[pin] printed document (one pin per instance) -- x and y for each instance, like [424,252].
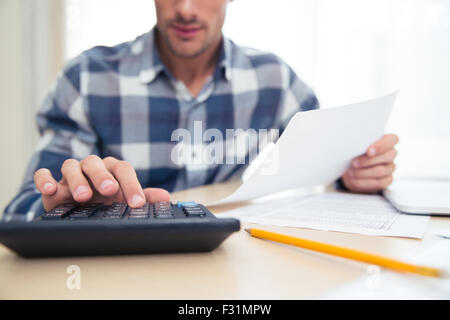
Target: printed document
[334,211]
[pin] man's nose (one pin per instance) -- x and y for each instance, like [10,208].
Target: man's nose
[186,9]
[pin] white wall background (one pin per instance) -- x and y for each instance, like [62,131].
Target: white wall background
[31,34]
[12,111]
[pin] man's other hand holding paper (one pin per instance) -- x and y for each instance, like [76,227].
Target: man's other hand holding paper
[373,171]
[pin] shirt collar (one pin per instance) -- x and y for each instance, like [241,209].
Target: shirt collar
[152,66]
[224,62]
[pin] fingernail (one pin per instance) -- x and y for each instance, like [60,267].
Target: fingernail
[81,190]
[136,200]
[105,184]
[48,187]
[372,152]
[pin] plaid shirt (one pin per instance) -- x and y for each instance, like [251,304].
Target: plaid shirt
[123,102]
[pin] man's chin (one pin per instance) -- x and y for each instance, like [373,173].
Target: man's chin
[187,52]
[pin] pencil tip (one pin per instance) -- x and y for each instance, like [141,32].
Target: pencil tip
[247,230]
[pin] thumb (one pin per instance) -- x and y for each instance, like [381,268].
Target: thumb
[153,195]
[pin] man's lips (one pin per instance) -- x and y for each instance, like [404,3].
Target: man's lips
[186,32]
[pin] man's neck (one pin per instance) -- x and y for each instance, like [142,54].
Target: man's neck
[193,72]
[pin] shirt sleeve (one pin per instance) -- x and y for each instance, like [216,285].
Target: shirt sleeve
[65,132]
[297,97]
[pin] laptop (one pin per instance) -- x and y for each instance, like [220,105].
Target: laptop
[420,195]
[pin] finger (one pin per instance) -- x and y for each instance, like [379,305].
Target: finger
[153,195]
[62,195]
[368,185]
[377,172]
[109,163]
[45,182]
[129,183]
[104,182]
[387,142]
[364,161]
[76,181]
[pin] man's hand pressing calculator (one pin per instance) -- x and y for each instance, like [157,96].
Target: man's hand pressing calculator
[95,180]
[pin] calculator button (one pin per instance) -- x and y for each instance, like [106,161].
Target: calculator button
[142,210]
[139,213]
[164,216]
[182,204]
[159,206]
[137,216]
[163,210]
[194,212]
[115,211]
[84,212]
[59,212]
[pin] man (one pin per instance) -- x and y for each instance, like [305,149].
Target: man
[107,125]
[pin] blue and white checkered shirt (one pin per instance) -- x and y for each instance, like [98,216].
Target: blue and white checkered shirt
[123,102]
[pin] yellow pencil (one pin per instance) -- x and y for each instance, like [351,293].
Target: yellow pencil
[347,253]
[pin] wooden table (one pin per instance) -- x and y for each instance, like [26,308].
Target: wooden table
[241,268]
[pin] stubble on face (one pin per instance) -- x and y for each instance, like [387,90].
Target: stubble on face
[208,29]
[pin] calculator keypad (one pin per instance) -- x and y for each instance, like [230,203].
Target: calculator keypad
[118,211]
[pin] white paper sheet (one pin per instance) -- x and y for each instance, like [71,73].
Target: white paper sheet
[333,211]
[317,147]
[382,284]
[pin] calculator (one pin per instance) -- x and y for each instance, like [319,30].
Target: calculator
[97,229]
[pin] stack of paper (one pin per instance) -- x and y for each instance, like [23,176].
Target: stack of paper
[332,211]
